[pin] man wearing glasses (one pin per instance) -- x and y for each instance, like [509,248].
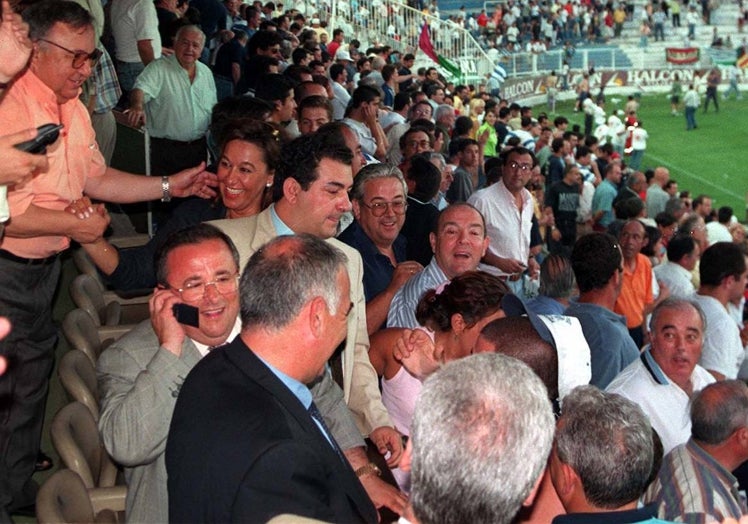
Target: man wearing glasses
[64,53]
[508,209]
[140,375]
[379,198]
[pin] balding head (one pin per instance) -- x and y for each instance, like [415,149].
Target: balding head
[661,176]
[718,411]
[516,337]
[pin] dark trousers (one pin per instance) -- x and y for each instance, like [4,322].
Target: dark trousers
[171,156]
[711,94]
[26,293]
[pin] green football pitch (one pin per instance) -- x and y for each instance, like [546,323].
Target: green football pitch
[712,159]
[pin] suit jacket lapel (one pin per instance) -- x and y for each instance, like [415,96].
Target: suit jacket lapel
[241,356]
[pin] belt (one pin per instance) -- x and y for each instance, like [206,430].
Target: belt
[511,278]
[7,255]
[197,141]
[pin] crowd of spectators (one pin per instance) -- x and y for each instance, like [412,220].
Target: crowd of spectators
[370,227]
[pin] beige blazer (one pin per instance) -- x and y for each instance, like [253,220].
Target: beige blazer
[361,388]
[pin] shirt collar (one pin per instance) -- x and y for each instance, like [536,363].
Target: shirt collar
[299,390]
[630,516]
[204,349]
[652,367]
[280,227]
[727,477]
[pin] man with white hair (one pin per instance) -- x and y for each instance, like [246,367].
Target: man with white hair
[665,376]
[479,442]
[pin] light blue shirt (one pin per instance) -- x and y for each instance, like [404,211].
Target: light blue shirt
[280,227]
[300,391]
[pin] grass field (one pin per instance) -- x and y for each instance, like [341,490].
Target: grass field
[712,159]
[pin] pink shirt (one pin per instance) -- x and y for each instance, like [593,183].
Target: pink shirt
[72,159]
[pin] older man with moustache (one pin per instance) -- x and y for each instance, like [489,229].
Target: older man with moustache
[459,243]
[311,194]
[665,376]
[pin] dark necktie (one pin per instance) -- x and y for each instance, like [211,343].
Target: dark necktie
[317,416]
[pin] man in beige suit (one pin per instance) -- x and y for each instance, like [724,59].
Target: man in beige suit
[311,194]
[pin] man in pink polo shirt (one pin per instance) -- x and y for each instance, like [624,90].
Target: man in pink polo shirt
[40,228]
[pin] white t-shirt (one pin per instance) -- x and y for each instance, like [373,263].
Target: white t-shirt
[134,20]
[723,350]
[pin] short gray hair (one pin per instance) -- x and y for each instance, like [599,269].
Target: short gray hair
[607,441]
[285,274]
[372,172]
[442,110]
[677,304]
[718,410]
[481,434]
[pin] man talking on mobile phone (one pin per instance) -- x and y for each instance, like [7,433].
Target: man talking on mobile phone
[140,375]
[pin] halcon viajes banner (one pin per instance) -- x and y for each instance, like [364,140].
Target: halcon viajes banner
[518,89]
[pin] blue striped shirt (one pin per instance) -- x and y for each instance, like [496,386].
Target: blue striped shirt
[693,487]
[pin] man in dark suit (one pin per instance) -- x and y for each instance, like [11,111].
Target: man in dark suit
[140,375]
[245,442]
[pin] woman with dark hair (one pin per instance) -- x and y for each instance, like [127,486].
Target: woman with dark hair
[250,150]
[452,317]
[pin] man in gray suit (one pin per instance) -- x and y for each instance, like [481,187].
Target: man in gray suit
[310,191]
[141,374]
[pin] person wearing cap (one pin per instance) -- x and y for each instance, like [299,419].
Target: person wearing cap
[555,349]
[343,55]
[598,267]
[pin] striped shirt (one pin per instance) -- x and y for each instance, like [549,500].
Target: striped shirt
[693,487]
[403,308]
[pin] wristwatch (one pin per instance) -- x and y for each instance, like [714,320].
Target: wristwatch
[165,192]
[369,468]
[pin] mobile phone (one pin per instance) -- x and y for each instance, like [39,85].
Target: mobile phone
[45,135]
[187,315]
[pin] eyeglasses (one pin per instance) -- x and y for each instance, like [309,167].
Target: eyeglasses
[79,57]
[521,167]
[225,284]
[378,209]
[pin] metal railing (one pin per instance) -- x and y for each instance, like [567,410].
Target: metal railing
[398,25]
